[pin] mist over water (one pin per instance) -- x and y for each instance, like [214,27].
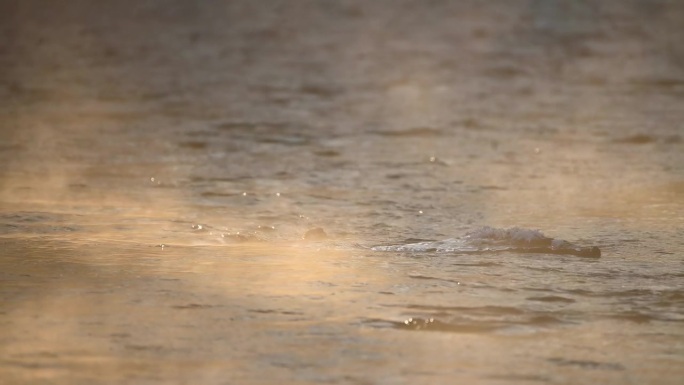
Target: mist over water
[164,167]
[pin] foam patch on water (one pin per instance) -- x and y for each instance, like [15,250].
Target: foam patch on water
[454,244]
[484,238]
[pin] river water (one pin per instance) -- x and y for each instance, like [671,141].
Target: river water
[162,162]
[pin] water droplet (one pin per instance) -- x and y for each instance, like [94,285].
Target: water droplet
[420,212]
[244,194]
[277,194]
[152,179]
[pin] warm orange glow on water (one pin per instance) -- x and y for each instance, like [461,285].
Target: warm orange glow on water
[162,165]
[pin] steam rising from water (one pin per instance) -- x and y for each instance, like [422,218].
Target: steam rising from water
[525,117]
[160,164]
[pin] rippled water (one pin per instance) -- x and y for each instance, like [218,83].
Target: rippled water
[164,168]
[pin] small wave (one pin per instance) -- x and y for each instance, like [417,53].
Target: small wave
[515,236]
[489,239]
[469,324]
[551,298]
[191,306]
[636,139]
[425,277]
[435,325]
[477,310]
[431,324]
[586,364]
[411,132]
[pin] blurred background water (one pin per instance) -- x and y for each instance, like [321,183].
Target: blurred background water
[160,163]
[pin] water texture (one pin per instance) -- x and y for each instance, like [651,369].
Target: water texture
[492,240]
[247,192]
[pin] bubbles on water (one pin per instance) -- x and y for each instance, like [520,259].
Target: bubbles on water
[266,228]
[418,323]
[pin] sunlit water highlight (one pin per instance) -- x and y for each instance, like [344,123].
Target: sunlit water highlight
[164,170]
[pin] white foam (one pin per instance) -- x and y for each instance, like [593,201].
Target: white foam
[484,238]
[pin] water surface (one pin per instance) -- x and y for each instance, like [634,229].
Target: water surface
[160,165]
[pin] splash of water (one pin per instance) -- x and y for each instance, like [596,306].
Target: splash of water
[490,239]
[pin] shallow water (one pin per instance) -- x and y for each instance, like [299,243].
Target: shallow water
[160,165]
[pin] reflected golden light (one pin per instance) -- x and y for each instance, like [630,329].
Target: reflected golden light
[161,165]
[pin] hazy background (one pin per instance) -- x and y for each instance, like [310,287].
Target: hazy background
[160,162]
